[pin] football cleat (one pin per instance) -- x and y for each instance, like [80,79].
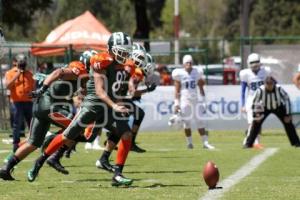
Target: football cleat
[206,145]
[190,146]
[105,165]
[33,172]
[5,175]
[258,146]
[119,180]
[88,146]
[137,149]
[57,166]
[97,147]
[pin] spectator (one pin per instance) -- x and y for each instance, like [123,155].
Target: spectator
[20,82]
[165,77]
[12,108]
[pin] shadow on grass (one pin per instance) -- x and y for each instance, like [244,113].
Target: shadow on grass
[163,172]
[160,185]
[92,180]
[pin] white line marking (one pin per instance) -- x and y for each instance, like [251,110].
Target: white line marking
[4,151]
[241,173]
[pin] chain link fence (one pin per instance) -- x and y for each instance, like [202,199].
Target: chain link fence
[214,55]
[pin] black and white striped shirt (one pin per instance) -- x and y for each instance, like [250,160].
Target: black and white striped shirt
[271,100]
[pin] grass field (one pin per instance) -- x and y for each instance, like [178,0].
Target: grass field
[166,171]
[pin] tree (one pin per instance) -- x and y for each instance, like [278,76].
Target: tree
[282,18]
[21,13]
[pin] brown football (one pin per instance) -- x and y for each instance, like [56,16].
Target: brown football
[211,174]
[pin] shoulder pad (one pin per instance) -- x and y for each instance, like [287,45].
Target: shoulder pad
[138,74]
[101,61]
[176,74]
[78,68]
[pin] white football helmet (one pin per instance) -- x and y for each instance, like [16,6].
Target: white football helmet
[137,46]
[175,121]
[150,66]
[139,58]
[253,62]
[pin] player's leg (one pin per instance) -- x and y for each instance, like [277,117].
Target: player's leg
[92,136]
[103,161]
[186,114]
[249,111]
[288,126]
[38,130]
[138,115]
[199,111]
[65,140]
[122,153]
[254,129]
[113,139]
[62,118]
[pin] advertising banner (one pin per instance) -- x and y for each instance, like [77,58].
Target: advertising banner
[223,108]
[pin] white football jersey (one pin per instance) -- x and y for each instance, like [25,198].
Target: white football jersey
[189,82]
[254,81]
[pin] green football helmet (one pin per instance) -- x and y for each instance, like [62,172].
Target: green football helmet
[120,45]
[86,56]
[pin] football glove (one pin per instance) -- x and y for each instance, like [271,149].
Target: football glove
[39,92]
[151,87]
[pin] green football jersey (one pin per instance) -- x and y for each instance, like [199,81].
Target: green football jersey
[116,77]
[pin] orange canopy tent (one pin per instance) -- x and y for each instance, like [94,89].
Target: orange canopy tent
[82,32]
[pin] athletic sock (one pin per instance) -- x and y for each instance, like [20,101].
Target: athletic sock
[59,153]
[105,155]
[204,139]
[118,169]
[54,145]
[189,140]
[133,138]
[123,150]
[13,161]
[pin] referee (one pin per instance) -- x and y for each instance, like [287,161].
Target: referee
[271,98]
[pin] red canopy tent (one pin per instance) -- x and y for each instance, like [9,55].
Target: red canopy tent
[82,32]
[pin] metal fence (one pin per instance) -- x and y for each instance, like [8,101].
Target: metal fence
[280,53]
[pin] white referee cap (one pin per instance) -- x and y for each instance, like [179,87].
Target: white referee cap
[187,58]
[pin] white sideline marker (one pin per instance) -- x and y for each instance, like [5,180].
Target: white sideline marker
[241,173]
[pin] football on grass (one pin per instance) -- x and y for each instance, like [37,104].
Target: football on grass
[211,174]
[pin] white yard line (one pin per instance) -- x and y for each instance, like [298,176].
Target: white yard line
[241,173]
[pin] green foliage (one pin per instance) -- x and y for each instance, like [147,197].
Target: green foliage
[16,13]
[282,18]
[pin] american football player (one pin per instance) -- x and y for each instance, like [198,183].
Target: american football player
[187,81]
[100,105]
[52,106]
[251,79]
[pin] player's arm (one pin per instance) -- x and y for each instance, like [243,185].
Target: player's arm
[140,92]
[243,93]
[62,73]
[177,95]
[201,84]
[137,78]
[100,79]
